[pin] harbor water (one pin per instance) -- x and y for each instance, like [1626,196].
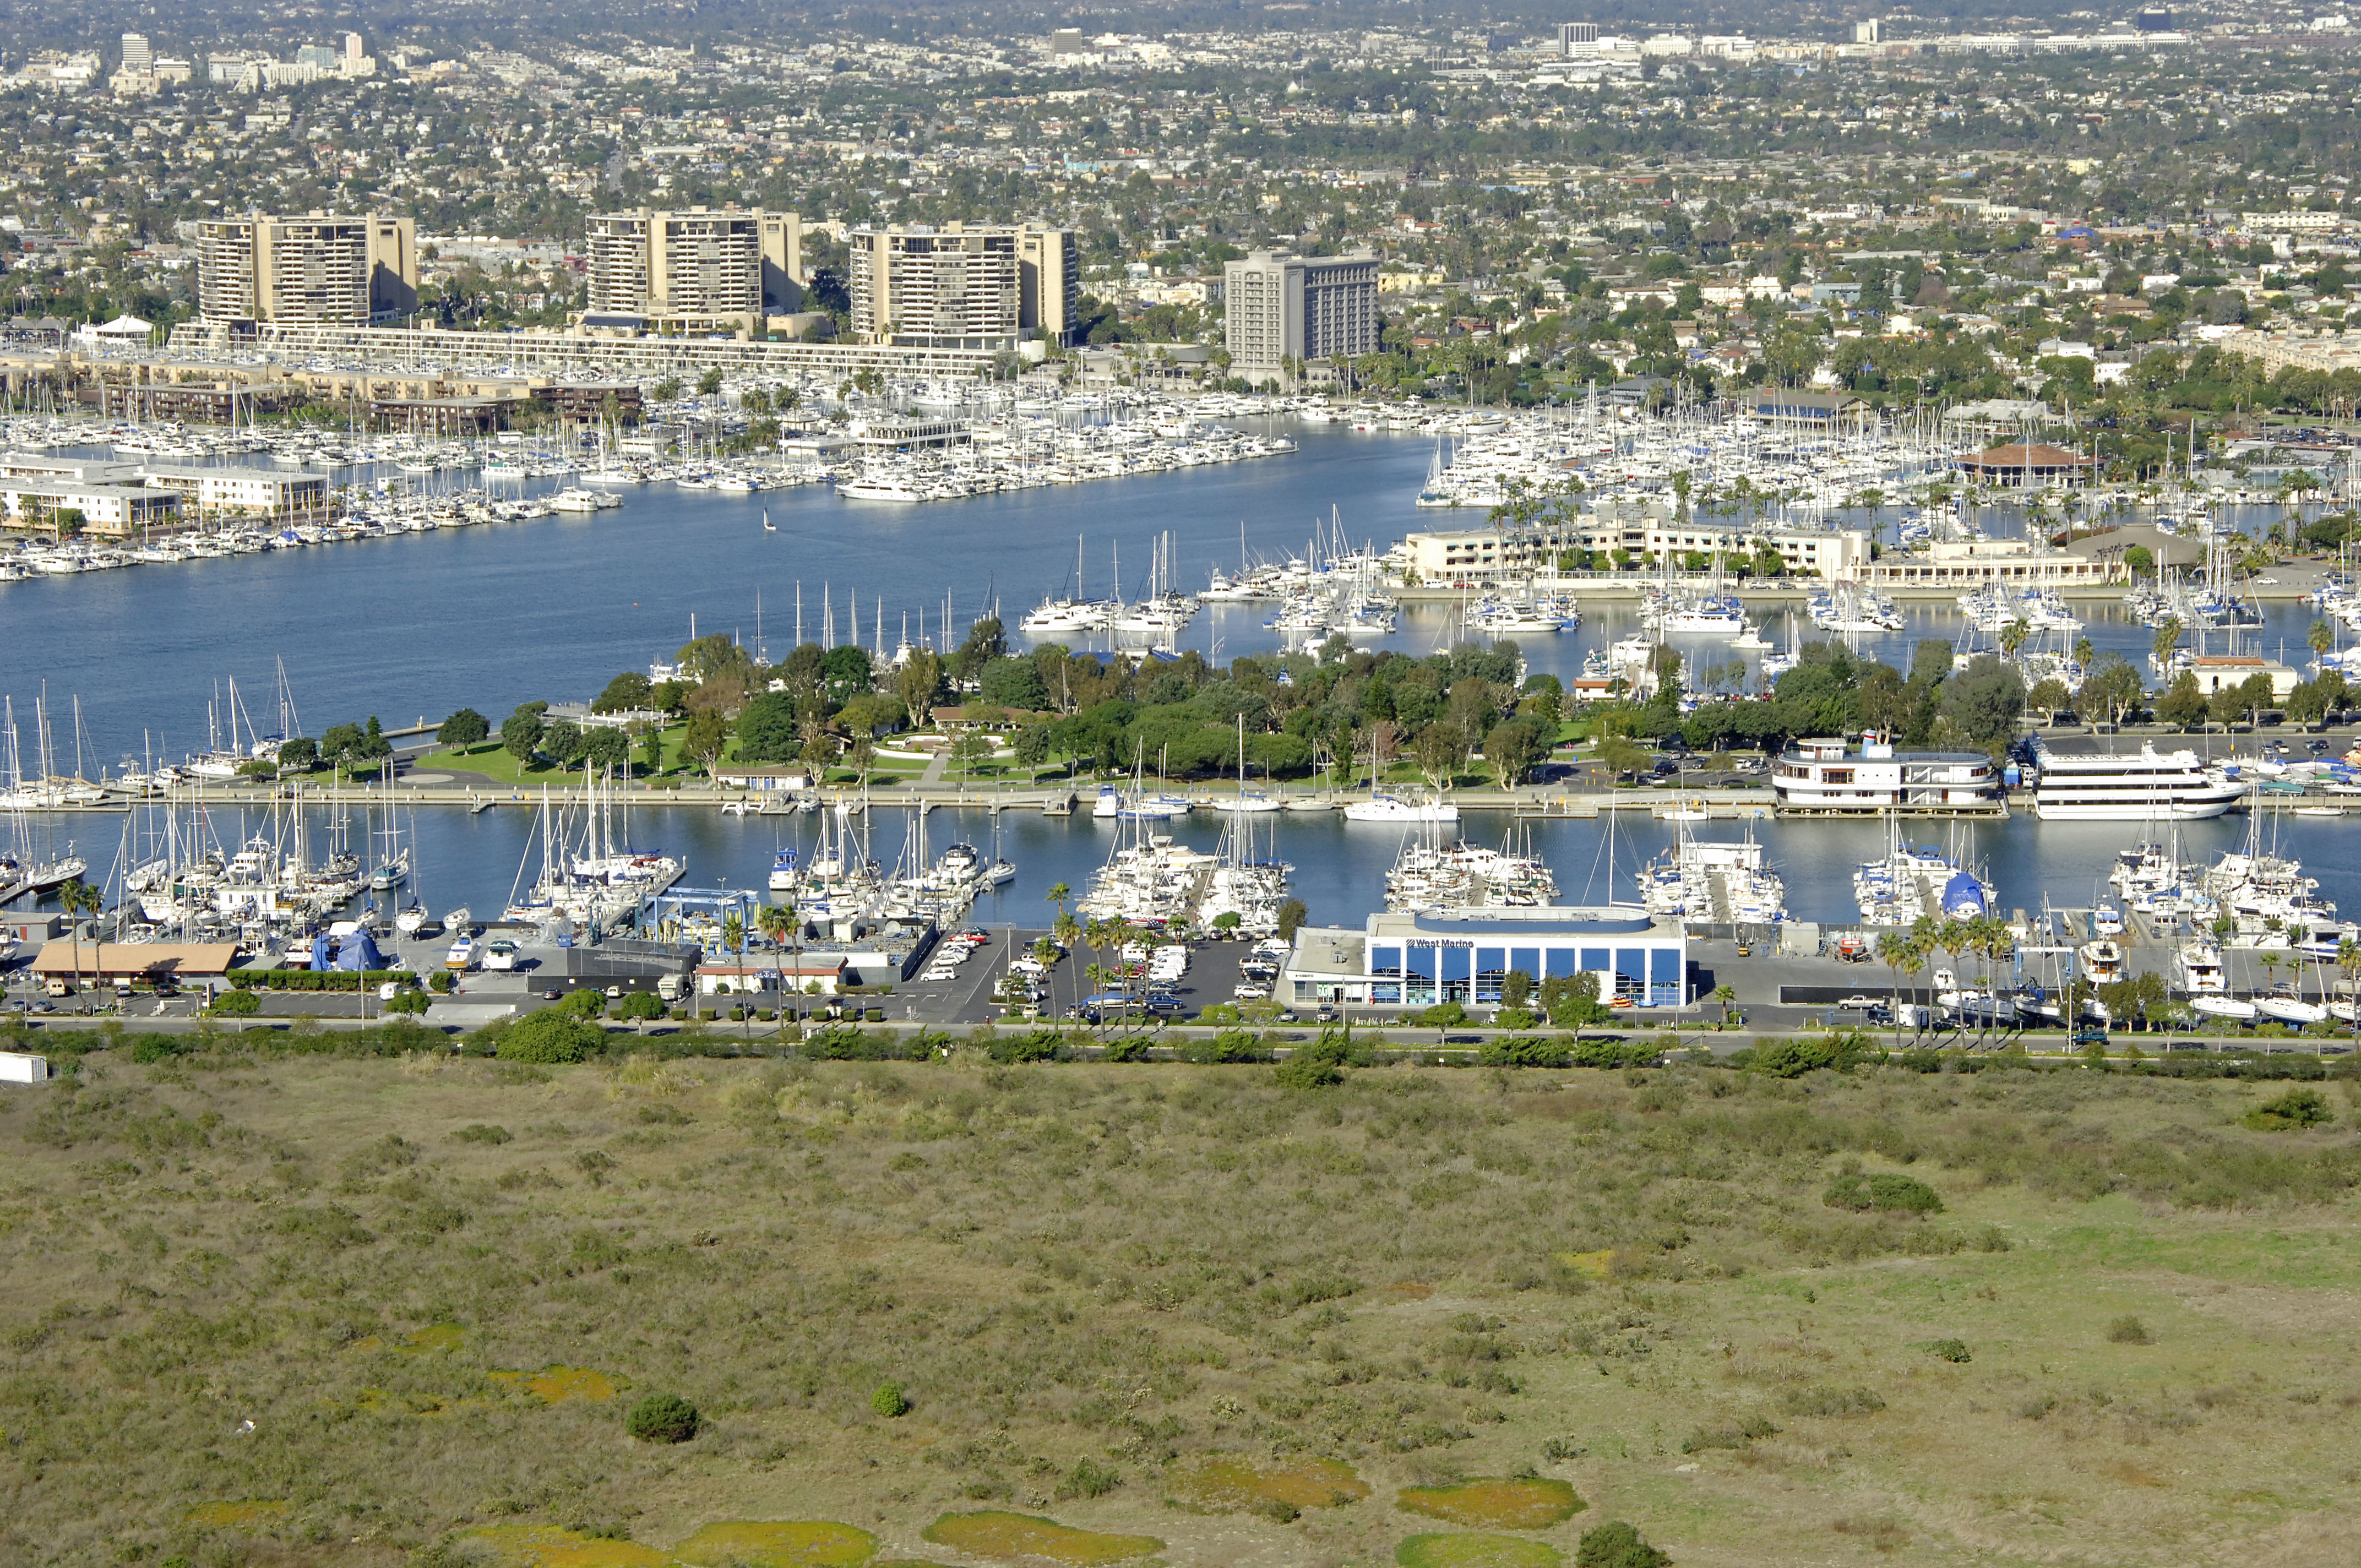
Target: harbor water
[487,616]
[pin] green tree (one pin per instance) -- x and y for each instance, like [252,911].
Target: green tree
[2182,706]
[521,734]
[300,755]
[707,737]
[1515,746]
[464,728]
[626,692]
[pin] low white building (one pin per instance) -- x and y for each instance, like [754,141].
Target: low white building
[1649,531]
[2013,562]
[250,492]
[117,510]
[2215,671]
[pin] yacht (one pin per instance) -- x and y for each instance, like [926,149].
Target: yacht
[1392,808]
[784,876]
[2197,969]
[2116,788]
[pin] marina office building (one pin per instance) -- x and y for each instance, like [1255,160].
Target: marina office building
[1419,959]
[122,498]
[695,270]
[315,270]
[962,285]
[1278,309]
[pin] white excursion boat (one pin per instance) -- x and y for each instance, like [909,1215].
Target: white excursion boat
[2289,1008]
[2109,787]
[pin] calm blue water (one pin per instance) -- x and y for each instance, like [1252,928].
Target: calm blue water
[491,615]
[1339,866]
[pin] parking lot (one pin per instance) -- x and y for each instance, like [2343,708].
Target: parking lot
[964,991]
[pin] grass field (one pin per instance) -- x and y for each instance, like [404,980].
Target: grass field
[312,1310]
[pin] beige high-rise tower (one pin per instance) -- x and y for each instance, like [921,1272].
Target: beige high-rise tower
[961,286]
[316,268]
[700,268]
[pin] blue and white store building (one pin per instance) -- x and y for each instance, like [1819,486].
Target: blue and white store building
[1464,954]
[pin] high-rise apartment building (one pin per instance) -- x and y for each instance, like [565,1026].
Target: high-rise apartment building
[1048,282]
[961,286]
[137,53]
[314,269]
[1282,308]
[698,267]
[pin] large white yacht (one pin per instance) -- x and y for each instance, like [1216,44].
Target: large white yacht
[2106,787]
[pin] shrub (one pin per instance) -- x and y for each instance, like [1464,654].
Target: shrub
[550,1036]
[1737,1436]
[1041,1044]
[1229,1045]
[409,1002]
[479,1133]
[1830,1402]
[1891,1194]
[891,1402]
[661,1418]
[1527,1050]
[1795,1058]
[1304,1070]
[2128,1330]
[1130,1050]
[235,1004]
[1088,1479]
[1950,1350]
[1616,1544]
[149,1048]
[2292,1111]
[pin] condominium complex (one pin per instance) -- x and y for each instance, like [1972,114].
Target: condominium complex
[961,286]
[315,268]
[1293,308]
[695,268]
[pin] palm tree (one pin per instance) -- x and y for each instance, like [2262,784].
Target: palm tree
[1892,946]
[78,898]
[2348,959]
[1994,941]
[1725,995]
[1058,895]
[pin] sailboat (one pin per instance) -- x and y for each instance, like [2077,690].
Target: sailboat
[768,526]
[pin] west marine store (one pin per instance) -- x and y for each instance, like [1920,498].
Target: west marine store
[1465,955]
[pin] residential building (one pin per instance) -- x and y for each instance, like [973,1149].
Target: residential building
[137,53]
[1411,960]
[700,268]
[1283,309]
[318,268]
[963,286]
[1048,282]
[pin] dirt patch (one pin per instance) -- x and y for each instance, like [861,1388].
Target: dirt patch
[1476,1552]
[554,1383]
[1498,1502]
[992,1533]
[545,1546]
[777,1543]
[1229,1481]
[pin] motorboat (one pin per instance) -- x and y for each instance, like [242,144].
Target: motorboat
[2102,962]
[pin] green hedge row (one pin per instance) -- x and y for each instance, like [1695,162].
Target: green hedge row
[313,980]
